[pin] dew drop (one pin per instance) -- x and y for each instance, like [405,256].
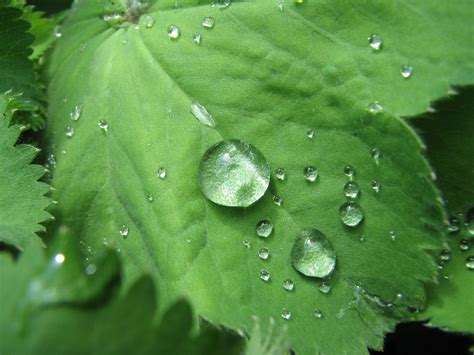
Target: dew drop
[349,171]
[313,254]
[393,235]
[288,285]
[351,214]
[265,275]
[286,314]
[104,125]
[376,154]
[453,225]
[376,186]
[69,131]
[173,32]
[310,173]
[406,71]
[201,114]
[148,21]
[234,173]
[310,133]
[59,259]
[445,255]
[246,243]
[264,253]
[470,263]
[91,269]
[57,31]
[280,174]
[469,225]
[150,198]
[277,200]
[375,107]
[351,189]
[318,314]
[76,112]
[161,173]
[464,244]
[197,38]
[124,231]
[264,228]
[324,287]
[375,41]
[280,4]
[208,22]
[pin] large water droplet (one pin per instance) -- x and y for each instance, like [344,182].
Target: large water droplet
[148,21]
[286,314]
[76,112]
[375,107]
[280,174]
[264,253]
[313,254]
[310,173]
[265,275]
[375,41]
[234,173]
[288,285]
[351,214]
[470,263]
[69,131]
[173,32]
[264,228]
[200,112]
[406,71]
[208,22]
[351,189]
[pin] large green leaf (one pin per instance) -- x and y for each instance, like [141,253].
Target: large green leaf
[266,76]
[39,315]
[449,136]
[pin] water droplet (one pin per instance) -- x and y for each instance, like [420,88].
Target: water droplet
[280,5]
[91,269]
[104,125]
[76,112]
[324,287]
[470,263]
[286,314]
[264,228]
[280,174]
[150,198]
[264,253]
[351,214]
[200,112]
[277,200]
[114,20]
[222,5]
[376,154]
[161,173]
[318,314]
[173,32]
[310,173]
[445,255]
[362,238]
[406,71]
[149,21]
[375,107]
[351,189]
[246,243]
[376,186]
[57,31]
[453,225]
[313,254]
[375,41]
[197,38]
[464,244]
[59,258]
[51,161]
[310,133]
[234,173]
[288,285]
[208,22]
[265,275]
[349,171]
[124,231]
[299,2]
[393,235]
[69,131]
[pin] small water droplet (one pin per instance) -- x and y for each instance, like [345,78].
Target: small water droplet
[246,243]
[69,131]
[277,200]
[264,253]
[173,32]
[280,174]
[202,115]
[313,254]
[161,173]
[375,107]
[310,173]
[57,31]
[286,314]
[324,287]
[150,198]
[310,133]
[124,231]
[318,314]
[375,41]
[288,285]
[148,21]
[197,38]
[362,238]
[265,275]
[393,235]
[208,22]
[376,154]
[445,255]
[376,186]
[91,269]
[264,228]
[349,171]
[51,161]
[351,189]
[469,225]
[59,259]
[280,4]
[234,173]
[406,71]
[104,125]
[464,244]
[76,112]
[454,225]
[351,214]
[470,263]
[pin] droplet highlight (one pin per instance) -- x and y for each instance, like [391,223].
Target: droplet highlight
[375,41]
[406,71]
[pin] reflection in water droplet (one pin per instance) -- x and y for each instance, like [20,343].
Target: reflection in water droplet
[280,174]
[197,38]
[264,228]
[286,314]
[349,171]
[470,263]
[375,41]
[76,112]
[104,125]
[375,107]
[351,189]
[376,186]
[406,71]
[208,22]
[310,133]
[161,173]
[277,200]
[318,314]
[313,254]
[234,173]
[173,32]
[69,131]
[351,214]
[124,231]
[202,115]
[464,244]
[324,287]
[288,285]
[264,253]
[148,21]
[265,275]
[310,173]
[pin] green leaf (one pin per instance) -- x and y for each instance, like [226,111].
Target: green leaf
[22,200]
[115,324]
[266,76]
[448,134]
